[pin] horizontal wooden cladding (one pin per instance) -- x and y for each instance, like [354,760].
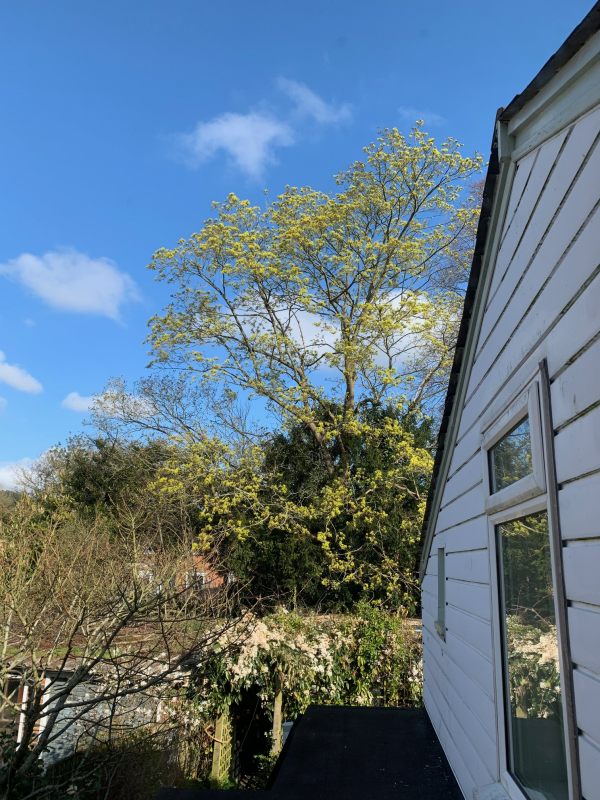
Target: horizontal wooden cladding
[471,535]
[558,327]
[468,475]
[566,197]
[581,562]
[472,597]
[467,506]
[478,701]
[457,720]
[570,246]
[467,723]
[429,588]
[431,698]
[589,759]
[587,704]
[468,443]
[468,535]
[520,182]
[579,504]
[473,630]
[472,565]
[584,636]
[544,164]
[578,447]
[467,658]
[578,386]
[548,285]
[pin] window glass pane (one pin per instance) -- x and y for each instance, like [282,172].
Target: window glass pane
[510,458]
[535,720]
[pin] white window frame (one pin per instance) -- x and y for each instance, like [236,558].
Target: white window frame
[527,404]
[531,506]
[528,495]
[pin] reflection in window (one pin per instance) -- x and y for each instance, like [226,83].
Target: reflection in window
[535,728]
[510,458]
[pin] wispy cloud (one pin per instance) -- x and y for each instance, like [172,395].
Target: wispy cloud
[249,140]
[18,378]
[77,402]
[11,472]
[3,403]
[411,114]
[72,281]
[309,104]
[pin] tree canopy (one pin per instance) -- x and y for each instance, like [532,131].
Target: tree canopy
[336,315]
[319,297]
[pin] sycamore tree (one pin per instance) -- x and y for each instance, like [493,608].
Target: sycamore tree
[322,306]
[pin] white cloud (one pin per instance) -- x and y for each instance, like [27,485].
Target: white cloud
[11,472]
[17,377]
[3,403]
[411,114]
[309,104]
[76,402]
[250,140]
[72,281]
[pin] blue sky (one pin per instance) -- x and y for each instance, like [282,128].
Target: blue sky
[122,121]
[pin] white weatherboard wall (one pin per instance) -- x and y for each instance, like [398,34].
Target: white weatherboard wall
[543,301]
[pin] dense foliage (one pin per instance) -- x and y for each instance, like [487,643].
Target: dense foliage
[286,448]
[337,314]
[369,658]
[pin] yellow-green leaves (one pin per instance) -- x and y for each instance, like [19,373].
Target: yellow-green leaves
[321,304]
[343,291]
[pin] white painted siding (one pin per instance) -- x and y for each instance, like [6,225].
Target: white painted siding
[543,302]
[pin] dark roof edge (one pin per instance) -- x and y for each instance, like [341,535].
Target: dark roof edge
[580,35]
[589,25]
[480,244]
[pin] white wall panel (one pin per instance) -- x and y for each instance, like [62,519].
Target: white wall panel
[587,703]
[579,504]
[578,447]
[472,629]
[589,756]
[578,387]
[581,562]
[545,161]
[471,535]
[468,475]
[471,565]
[561,237]
[521,179]
[472,597]
[584,631]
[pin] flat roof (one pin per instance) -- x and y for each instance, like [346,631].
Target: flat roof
[352,753]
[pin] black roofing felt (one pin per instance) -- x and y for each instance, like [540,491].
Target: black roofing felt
[345,753]
[586,28]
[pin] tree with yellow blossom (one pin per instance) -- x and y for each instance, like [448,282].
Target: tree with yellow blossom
[322,306]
